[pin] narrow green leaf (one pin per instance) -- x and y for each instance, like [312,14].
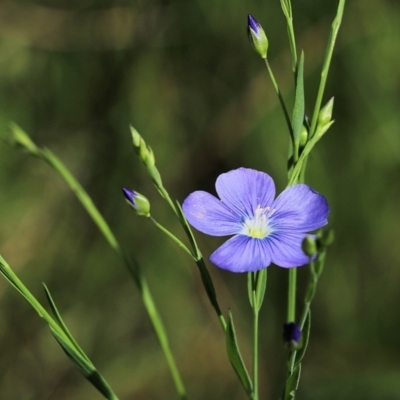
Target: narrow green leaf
[62,324]
[208,285]
[299,105]
[85,367]
[292,383]
[306,337]
[3,271]
[235,357]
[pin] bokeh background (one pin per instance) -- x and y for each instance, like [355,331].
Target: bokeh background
[75,74]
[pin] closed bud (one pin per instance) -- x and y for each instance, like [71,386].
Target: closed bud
[19,138]
[303,136]
[326,238]
[257,36]
[136,138]
[292,335]
[140,147]
[309,246]
[324,119]
[325,115]
[138,202]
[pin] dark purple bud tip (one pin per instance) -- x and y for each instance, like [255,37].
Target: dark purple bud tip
[129,195]
[252,24]
[137,201]
[291,333]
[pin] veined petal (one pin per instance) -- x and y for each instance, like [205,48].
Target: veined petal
[299,208]
[242,254]
[210,215]
[244,189]
[285,249]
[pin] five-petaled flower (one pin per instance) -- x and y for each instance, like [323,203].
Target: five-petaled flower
[265,230]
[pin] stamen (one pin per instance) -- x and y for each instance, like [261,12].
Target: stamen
[258,227]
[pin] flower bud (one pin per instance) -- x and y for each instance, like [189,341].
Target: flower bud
[140,147]
[303,136]
[17,137]
[324,118]
[326,237]
[309,246]
[138,202]
[325,114]
[292,335]
[257,36]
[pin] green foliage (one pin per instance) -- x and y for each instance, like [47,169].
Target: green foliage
[184,75]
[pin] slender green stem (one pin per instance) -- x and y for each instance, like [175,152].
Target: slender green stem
[82,196]
[196,254]
[160,332]
[281,101]
[204,272]
[173,237]
[327,62]
[167,197]
[291,315]
[292,39]
[210,290]
[255,346]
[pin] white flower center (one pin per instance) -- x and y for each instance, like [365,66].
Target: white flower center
[257,226]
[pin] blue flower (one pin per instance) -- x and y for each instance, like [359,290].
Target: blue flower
[265,230]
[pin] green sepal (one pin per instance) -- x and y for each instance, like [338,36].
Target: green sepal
[309,246]
[256,286]
[326,237]
[235,357]
[292,383]
[299,105]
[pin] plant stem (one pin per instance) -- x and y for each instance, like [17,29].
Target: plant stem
[327,62]
[160,332]
[291,315]
[174,238]
[255,349]
[281,101]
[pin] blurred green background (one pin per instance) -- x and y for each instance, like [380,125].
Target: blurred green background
[75,74]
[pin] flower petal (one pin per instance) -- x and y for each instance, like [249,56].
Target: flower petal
[210,215]
[244,189]
[299,208]
[242,254]
[285,249]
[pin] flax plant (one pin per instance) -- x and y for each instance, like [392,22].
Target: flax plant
[284,230]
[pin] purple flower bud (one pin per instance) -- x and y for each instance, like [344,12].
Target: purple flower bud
[253,24]
[257,36]
[291,333]
[137,201]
